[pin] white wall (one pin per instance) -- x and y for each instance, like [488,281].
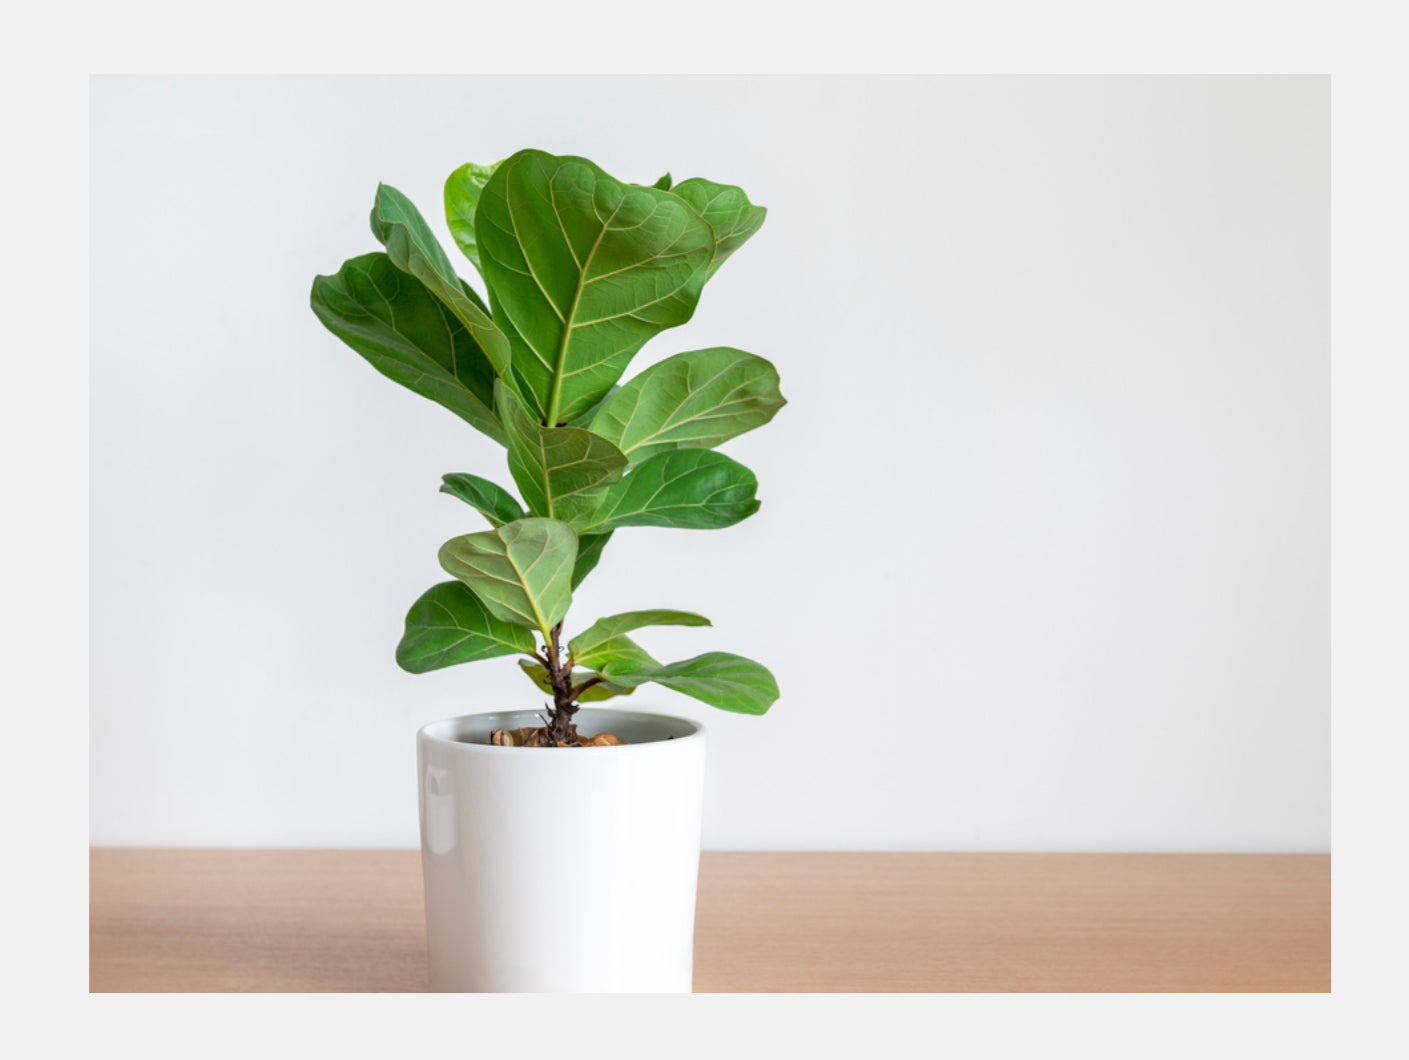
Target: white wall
[1043,558]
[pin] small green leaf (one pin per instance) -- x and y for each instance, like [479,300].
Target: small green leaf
[728,211]
[589,554]
[492,501]
[729,682]
[522,571]
[663,184]
[538,674]
[412,247]
[619,651]
[695,489]
[604,629]
[693,400]
[462,191]
[407,334]
[561,471]
[449,625]
[585,419]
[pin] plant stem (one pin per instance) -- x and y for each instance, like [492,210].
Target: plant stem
[586,685]
[560,678]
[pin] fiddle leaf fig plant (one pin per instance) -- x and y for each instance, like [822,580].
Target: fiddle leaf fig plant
[579,271]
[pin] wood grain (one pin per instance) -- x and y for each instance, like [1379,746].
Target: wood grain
[324,920]
[1014,922]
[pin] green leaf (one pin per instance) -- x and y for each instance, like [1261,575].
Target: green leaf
[449,625]
[407,334]
[491,500]
[462,192]
[693,400]
[560,471]
[589,554]
[728,212]
[729,682]
[584,419]
[619,651]
[399,227]
[694,489]
[604,629]
[522,571]
[663,184]
[538,674]
[582,270]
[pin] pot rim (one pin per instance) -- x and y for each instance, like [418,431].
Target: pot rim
[436,731]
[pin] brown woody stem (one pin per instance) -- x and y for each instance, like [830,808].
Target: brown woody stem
[585,686]
[560,727]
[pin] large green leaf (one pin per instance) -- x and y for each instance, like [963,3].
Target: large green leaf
[729,682]
[727,210]
[462,192]
[693,400]
[582,270]
[407,334]
[560,471]
[399,227]
[491,500]
[589,554]
[604,629]
[694,489]
[450,625]
[538,674]
[521,571]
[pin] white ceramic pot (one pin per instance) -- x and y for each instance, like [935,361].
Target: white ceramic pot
[561,869]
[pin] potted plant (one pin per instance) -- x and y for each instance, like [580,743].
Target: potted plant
[560,849]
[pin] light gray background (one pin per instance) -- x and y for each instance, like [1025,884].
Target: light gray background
[1043,557]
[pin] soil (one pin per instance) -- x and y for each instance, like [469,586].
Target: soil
[543,737]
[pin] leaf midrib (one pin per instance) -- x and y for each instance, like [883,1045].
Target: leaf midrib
[522,575]
[556,393]
[723,410]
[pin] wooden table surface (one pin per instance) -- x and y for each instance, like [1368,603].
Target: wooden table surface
[326,920]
